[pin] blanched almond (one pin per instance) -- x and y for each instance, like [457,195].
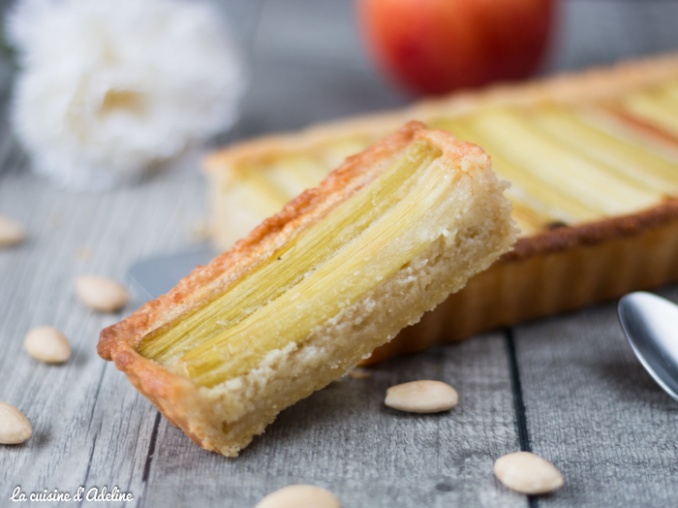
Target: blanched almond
[47,344]
[422,397]
[300,496]
[11,232]
[14,426]
[527,473]
[101,293]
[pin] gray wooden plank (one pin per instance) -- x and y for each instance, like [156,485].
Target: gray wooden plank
[321,31]
[290,95]
[90,428]
[309,68]
[343,438]
[242,17]
[594,411]
[595,32]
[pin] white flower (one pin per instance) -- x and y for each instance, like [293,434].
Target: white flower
[111,87]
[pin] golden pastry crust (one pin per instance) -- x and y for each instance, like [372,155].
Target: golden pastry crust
[562,237]
[226,417]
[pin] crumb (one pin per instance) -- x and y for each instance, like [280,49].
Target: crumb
[200,231]
[84,254]
[359,373]
[54,220]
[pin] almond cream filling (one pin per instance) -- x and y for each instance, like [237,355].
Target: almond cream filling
[358,266]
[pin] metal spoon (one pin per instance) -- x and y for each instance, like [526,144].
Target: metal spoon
[651,326]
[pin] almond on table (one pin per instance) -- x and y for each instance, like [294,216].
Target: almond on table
[528,473]
[102,294]
[11,232]
[14,426]
[47,344]
[314,289]
[424,396]
[300,496]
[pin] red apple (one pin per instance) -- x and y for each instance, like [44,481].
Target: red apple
[435,46]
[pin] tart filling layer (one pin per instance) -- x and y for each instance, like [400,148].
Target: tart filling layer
[308,280]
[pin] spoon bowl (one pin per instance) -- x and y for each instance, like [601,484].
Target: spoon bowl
[650,323]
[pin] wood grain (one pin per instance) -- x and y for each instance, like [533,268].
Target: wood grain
[89,426]
[589,407]
[594,412]
[345,439]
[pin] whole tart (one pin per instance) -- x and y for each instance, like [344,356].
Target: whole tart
[317,287]
[592,158]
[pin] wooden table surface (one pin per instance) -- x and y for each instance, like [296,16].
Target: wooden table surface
[567,387]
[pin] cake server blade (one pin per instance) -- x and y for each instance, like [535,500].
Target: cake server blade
[155,276]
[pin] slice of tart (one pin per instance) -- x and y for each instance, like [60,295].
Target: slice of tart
[314,289]
[593,163]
